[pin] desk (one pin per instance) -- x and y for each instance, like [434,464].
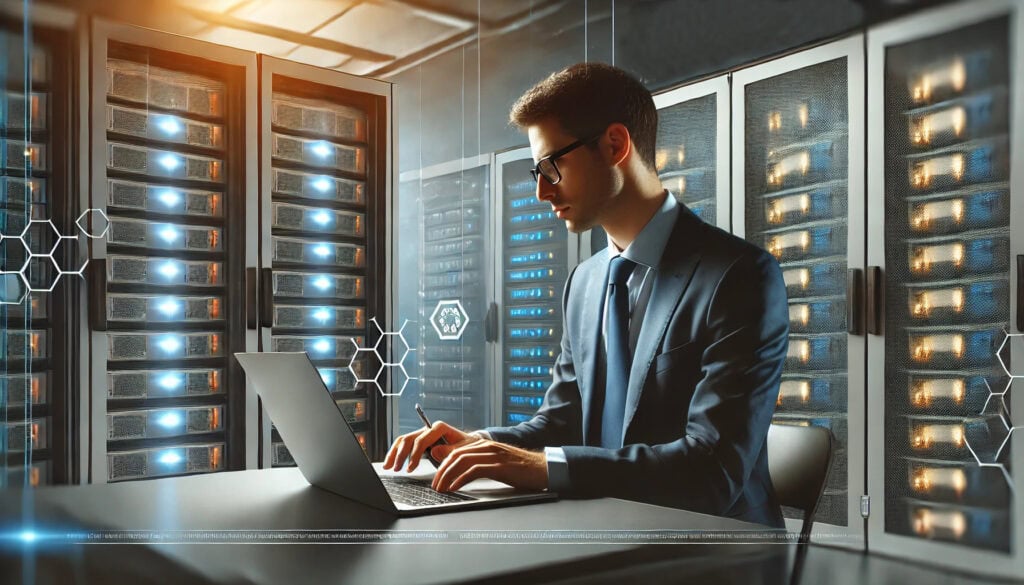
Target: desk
[280,499]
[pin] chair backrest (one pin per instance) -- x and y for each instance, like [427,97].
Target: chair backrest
[798,463]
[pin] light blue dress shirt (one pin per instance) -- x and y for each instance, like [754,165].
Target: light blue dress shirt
[646,251]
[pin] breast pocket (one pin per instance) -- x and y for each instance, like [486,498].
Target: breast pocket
[686,354]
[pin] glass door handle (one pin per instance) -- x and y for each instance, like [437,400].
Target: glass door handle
[98,294]
[855,301]
[875,300]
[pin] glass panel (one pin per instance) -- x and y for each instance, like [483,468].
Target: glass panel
[448,283]
[947,256]
[796,191]
[685,157]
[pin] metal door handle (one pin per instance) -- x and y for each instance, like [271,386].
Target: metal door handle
[1020,293]
[491,323]
[98,294]
[251,298]
[855,301]
[266,300]
[875,299]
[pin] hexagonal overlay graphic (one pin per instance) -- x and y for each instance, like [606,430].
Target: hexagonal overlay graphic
[1003,414]
[38,246]
[449,319]
[379,363]
[35,258]
[12,288]
[97,220]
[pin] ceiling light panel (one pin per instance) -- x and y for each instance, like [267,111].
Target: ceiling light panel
[386,29]
[295,15]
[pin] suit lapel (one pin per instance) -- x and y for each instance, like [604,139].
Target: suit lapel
[675,271]
[593,307]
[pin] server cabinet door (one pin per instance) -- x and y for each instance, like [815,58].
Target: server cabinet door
[945,227]
[39,246]
[452,288]
[692,154]
[324,167]
[533,255]
[798,170]
[171,179]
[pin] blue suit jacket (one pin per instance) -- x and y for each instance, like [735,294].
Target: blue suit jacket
[703,384]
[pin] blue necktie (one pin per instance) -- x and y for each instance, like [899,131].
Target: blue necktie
[619,358]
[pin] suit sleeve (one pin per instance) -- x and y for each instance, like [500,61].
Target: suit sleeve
[559,419]
[746,329]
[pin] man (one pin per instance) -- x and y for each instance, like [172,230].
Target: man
[674,336]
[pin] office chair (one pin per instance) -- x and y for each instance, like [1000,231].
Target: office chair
[799,459]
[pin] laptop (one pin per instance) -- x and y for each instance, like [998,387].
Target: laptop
[330,457]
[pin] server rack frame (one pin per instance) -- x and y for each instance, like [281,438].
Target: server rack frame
[497,296]
[720,88]
[378,250]
[101,33]
[852,49]
[934,22]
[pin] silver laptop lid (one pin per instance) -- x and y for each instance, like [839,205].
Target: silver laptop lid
[316,432]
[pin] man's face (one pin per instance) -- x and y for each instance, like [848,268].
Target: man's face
[582,194]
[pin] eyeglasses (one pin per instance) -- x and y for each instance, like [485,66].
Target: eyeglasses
[546,166]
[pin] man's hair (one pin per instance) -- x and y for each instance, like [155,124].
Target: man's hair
[585,98]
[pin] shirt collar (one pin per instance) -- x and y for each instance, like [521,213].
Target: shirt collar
[649,244]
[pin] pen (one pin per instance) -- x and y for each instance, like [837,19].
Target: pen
[441,441]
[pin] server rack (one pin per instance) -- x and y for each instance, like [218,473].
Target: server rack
[533,259]
[798,167]
[454,265]
[173,177]
[325,163]
[692,154]
[945,225]
[36,319]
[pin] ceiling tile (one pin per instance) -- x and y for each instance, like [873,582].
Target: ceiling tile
[318,57]
[218,6]
[358,66]
[296,15]
[241,39]
[385,29]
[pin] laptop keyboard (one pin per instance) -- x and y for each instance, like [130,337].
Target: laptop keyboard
[417,492]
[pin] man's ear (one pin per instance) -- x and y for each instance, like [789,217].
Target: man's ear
[616,143]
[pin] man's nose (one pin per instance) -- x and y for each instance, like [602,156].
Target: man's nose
[545,190]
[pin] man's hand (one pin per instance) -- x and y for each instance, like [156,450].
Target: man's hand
[462,463]
[414,444]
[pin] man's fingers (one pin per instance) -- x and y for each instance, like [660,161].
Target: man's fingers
[424,439]
[456,465]
[480,471]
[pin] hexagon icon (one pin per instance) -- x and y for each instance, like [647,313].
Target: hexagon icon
[97,220]
[399,379]
[41,274]
[37,243]
[372,363]
[449,319]
[392,343]
[12,253]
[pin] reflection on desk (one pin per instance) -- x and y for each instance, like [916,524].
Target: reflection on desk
[247,511]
